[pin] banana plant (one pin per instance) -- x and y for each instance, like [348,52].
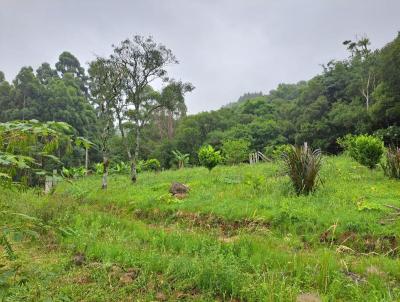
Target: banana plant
[120,168]
[182,159]
[86,144]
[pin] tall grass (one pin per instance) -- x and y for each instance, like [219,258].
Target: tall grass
[392,165]
[238,236]
[303,166]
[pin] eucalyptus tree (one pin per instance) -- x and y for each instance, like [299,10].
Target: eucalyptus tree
[173,96]
[365,65]
[141,61]
[26,93]
[105,88]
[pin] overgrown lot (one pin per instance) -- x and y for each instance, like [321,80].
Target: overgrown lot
[242,234]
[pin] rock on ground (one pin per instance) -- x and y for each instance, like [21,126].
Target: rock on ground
[179,189]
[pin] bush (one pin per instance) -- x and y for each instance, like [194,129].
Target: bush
[120,168]
[208,157]
[73,172]
[276,152]
[392,165]
[235,151]
[365,149]
[98,168]
[303,166]
[151,165]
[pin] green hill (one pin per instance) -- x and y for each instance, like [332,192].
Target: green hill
[241,234]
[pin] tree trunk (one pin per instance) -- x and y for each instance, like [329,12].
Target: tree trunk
[160,118]
[104,182]
[136,157]
[86,160]
[124,140]
[23,109]
[170,124]
[365,91]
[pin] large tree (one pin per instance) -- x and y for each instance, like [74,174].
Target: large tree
[104,86]
[141,61]
[173,96]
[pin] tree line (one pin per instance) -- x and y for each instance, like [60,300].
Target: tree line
[114,105]
[357,95]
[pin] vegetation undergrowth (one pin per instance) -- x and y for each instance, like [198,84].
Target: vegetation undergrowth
[242,233]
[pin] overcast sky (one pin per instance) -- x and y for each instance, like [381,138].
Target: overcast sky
[225,47]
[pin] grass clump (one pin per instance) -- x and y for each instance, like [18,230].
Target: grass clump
[303,166]
[392,165]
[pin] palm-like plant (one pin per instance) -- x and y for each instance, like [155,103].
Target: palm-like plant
[86,144]
[392,165]
[182,159]
[303,166]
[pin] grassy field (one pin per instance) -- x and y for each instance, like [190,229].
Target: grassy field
[240,235]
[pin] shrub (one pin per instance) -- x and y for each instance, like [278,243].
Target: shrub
[389,135]
[99,168]
[140,166]
[208,157]
[366,149]
[151,165]
[303,166]
[392,165]
[120,168]
[235,151]
[277,151]
[73,172]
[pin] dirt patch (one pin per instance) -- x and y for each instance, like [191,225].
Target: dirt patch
[83,279]
[202,220]
[373,270]
[226,239]
[308,297]
[355,277]
[79,259]
[364,244]
[124,276]
[129,276]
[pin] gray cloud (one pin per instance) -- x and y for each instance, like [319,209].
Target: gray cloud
[225,47]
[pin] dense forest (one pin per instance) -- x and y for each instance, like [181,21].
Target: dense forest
[359,94]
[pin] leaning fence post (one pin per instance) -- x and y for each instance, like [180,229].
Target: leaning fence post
[50,182]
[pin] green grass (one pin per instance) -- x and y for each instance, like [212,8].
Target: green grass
[242,234]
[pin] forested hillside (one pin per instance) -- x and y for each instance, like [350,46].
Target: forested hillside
[359,94]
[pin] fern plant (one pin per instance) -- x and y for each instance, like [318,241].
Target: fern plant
[303,166]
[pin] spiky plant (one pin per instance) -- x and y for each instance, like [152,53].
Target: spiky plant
[392,165]
[303,165]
